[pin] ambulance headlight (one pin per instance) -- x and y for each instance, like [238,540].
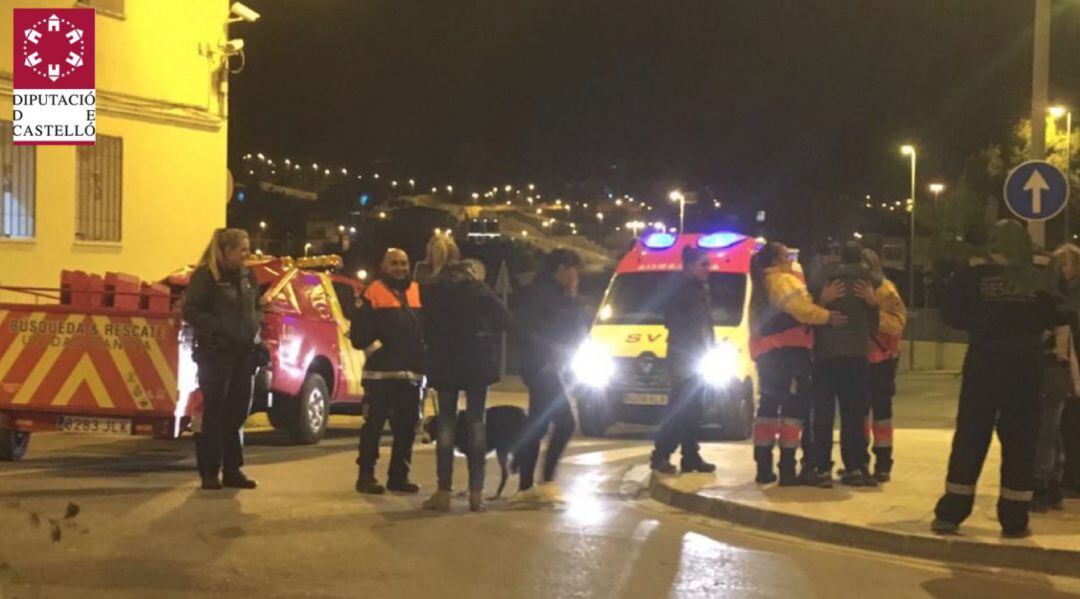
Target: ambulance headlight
[720,365]
[593,365]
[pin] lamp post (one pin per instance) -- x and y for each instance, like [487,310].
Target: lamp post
[1057,112]
[936,189]
[677,196]
[1040,92]
[909,150]
[262,235]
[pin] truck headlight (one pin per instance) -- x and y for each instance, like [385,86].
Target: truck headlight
[593,364]
[720,365]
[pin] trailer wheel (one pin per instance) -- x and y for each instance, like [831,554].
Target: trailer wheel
[13,444]
[314,410]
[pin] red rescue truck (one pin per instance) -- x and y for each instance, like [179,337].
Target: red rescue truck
[110,355]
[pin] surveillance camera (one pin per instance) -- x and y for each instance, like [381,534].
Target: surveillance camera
[233,47]
[244,13]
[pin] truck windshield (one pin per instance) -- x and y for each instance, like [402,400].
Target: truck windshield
[638,298]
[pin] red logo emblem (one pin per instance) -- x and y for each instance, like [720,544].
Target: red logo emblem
[54,48]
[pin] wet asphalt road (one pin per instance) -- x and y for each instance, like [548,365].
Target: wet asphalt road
[143,529]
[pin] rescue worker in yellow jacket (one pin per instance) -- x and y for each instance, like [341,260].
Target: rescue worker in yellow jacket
[883,357]
[781,340]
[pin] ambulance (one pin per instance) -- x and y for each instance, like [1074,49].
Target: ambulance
[620,373]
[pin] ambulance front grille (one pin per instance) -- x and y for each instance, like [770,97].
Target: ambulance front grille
[644,372]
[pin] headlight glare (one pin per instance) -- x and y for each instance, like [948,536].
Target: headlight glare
[720,365]
[593,364]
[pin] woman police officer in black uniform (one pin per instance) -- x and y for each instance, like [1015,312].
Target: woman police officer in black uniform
[222,306]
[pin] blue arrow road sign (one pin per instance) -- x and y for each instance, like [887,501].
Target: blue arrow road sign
[1036,190]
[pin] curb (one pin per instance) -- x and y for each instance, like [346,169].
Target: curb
[951,549]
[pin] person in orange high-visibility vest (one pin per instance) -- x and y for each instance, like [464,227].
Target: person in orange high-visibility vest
[388,328]
[883,357]
[781,340]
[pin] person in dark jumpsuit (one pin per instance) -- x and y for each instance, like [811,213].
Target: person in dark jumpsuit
[689,322]
[222,307]
[1005,310]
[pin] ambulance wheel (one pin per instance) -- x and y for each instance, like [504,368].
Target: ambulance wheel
[13,444]
[593,417]
[737,416]
[314,410]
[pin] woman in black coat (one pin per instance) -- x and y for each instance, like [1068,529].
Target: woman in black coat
[463,323]
[222,306]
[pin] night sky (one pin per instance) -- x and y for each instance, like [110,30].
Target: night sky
[757,98]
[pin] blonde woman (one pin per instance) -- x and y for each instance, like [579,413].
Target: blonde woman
[222,307]
[441,250]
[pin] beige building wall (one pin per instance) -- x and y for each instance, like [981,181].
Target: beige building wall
[162,90]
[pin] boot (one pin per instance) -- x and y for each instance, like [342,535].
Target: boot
[368,484]
[810,477]
[403,486]
[237,480]
[439,502]
[695,463]
[476,501]
[763,457]
[787,468]
[211,483]
[944,527]
[662,464]
[858,478]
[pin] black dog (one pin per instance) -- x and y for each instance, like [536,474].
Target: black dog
[504,426]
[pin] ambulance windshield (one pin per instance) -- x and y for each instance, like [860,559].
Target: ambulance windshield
[639,297]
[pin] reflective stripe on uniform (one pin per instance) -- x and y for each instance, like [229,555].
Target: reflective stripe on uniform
[1014,495]
[399,375]
[883,433]
[790,433]
[765,431]
[800,336]
[958,489]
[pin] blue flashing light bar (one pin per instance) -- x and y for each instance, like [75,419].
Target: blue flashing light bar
[659,241]
[720,240]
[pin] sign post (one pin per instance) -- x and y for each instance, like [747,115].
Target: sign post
[1036,191]
[503,288]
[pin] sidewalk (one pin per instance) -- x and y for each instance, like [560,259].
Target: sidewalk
[893,518]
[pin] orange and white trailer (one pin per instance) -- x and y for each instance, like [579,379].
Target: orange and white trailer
[101,354]
[111,355]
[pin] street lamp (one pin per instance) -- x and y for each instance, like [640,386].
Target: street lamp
[307,248]
[677,196]
[909,150]
[936,189]
[1057,112]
